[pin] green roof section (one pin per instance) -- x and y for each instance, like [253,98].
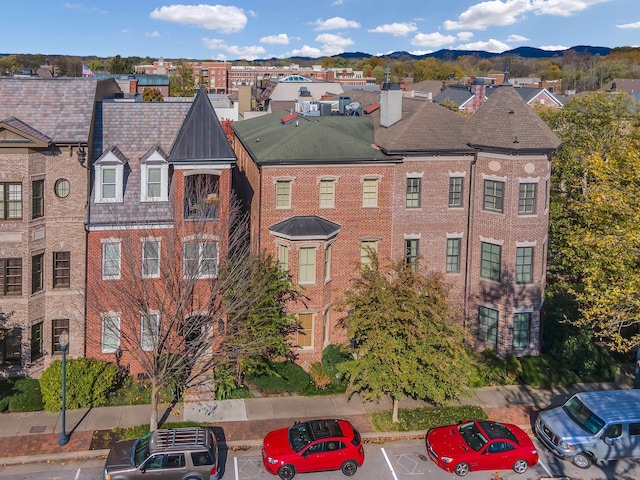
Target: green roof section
[305,139]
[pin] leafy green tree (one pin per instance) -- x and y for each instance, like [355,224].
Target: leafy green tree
[120,65]
[405,337]
[258,327]
[181,82]
[594,235]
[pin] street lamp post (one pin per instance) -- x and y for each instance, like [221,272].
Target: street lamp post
[64,343]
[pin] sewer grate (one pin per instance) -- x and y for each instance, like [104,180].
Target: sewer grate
[38,429]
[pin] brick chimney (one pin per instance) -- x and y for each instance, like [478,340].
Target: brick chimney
[479,91]
[390,104]
[133,85]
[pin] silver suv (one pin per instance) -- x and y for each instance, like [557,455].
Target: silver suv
[177,453]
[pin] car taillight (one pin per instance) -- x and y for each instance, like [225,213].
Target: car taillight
[214,470]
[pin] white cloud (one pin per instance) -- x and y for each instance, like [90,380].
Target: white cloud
[395,29]
[245,53]
[491,45]
[335,23]
[420,52]
[234,52]
[155,34]
[464,36]
[516,38]
[72,5]
[305,51]
[212,17]
[328,39]
[563,8]
[435,39]
[337,3]
[553,47]
[629,25]
[280,39]
[495,13]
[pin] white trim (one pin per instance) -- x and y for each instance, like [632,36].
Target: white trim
[455,235]
[494,178]
[527,244]
[103,317]
[491,240]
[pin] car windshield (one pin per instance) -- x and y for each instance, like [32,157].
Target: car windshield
[584,417]
[141,449]
[473,436]
[299,436]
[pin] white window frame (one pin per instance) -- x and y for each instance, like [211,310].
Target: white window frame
[111,322]
[149,324]
[308,331]
[145,271]
[201,259]
[107,163]
[309,268]
[289,183]
[328,194]
[283,257]
[154,161]
[327,262]
[368,202]
[365,260]
[106,243]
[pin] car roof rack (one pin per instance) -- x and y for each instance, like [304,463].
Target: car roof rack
[168,438]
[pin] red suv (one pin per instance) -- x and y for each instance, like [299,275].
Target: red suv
[313,446]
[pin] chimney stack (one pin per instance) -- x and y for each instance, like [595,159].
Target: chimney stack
[390,104]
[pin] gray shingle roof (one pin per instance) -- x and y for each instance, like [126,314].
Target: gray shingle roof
[506,122]
[309,227]
[60,108]
[20,126]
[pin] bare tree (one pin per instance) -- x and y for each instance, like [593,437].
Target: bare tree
[167,313]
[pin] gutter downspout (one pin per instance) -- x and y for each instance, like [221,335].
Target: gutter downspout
[468,238]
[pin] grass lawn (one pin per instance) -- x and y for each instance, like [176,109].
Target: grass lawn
[425,418]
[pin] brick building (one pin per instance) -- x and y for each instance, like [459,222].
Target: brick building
[45,134]
[464,196]
[160,193]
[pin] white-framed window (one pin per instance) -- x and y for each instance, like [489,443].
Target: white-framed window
[327,263]
[110,332]
[327,193]
[370,192]
[200,259]
[111,259]
[154,175]
[305,335]
[109,179]
[283,193]
[150,258]
[283,258]
[307,265]
[367,247]
[149,325]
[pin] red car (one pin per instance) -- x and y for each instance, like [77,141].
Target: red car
[481,445]
[313,446]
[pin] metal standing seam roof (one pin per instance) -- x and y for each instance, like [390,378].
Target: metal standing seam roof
[201,136]
[308,227]
[59,108]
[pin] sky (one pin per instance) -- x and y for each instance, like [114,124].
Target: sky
[250,29]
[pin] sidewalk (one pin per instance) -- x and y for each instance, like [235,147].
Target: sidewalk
[33,437]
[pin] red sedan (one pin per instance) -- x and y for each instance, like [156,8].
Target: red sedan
[481,445]
[313,446]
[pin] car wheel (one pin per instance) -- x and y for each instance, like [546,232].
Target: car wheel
[349,467]
[461,469]
[520,466]
[286,472]
[582,460]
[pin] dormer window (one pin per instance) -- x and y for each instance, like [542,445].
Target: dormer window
[109,172]
[154,175]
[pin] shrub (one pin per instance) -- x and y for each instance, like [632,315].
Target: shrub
[425,418]
[88,383]
[285,377]
[332,356]
[319,376]
[20,395]
[543,371]
[494,370]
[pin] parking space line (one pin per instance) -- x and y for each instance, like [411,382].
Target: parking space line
[545,467]
[389,463]
[235,466]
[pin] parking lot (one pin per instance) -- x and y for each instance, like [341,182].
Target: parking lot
[407,460]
